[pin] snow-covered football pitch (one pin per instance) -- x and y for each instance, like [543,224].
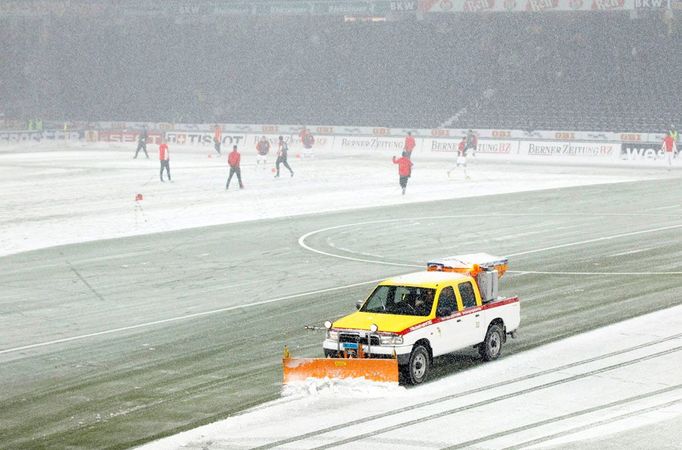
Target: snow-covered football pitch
[126,320]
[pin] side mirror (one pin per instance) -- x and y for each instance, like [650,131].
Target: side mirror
[359,304]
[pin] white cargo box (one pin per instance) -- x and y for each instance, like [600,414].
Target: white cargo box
[485,268]
[463,262]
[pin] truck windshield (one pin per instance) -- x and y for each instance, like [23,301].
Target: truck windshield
[403,300]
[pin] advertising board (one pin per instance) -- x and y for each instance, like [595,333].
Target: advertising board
[201,139]
[651,4]
[638,151]
[123,136]
[20,136]
[346,143]
[477,6]
[487,146]
[38,136]
[552,149]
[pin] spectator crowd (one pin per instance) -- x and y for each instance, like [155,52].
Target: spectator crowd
[569,71]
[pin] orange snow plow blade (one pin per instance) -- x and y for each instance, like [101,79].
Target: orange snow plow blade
[300,369]
[371,369]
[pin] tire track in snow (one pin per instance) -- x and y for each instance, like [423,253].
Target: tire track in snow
[472,391]
[499,398]
[600,422]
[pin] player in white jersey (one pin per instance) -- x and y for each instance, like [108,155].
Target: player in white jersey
[262,150]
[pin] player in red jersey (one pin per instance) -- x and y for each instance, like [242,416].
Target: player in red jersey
[164,157]
[234,159]
[404,169]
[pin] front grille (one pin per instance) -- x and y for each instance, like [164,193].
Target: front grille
[356,338]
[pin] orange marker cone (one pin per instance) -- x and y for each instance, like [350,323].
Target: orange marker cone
[138,197]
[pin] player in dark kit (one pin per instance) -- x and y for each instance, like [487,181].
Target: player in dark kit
[282,156]
[471,144]
[233,159]
[142,143]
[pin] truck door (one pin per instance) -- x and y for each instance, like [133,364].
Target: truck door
[450,330]
[472,315]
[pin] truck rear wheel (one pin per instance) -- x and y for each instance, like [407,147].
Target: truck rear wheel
[491,348]
[418,366]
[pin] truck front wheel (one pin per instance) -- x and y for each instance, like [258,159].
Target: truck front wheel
[418,366]
[491,348]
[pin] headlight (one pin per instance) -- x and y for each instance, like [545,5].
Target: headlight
[391,339]
[332,335]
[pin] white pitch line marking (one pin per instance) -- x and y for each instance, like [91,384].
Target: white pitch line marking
[369,254]
[536,272]
[185,317]
[302,243]
[664,207]
[604,238]
[343,249]
[631,252]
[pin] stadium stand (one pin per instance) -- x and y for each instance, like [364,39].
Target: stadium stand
[562,71]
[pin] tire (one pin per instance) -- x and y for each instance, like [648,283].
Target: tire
[491,348]
[418,366]
[331,353]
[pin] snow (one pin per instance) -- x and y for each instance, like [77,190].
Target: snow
[54,195]
[347,388]
[567,391]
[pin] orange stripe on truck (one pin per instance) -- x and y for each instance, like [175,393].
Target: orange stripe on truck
[455,315]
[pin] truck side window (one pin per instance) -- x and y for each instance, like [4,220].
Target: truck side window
[447,303]
[466,291]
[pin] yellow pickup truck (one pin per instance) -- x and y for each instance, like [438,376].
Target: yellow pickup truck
[408,320]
